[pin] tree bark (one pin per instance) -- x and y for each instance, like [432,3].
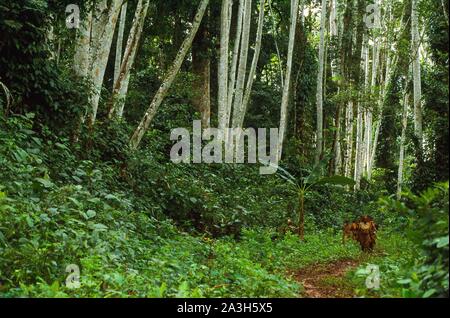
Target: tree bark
[120,87]
[360,141]
[369,114]
[418,131]
[201,67]
[251,74]
[119,43]
[348,152]
[242,68]
[234,62]
[223,65]
[83,47]
[287,80]
[103,26]
[402,143]
[319,93]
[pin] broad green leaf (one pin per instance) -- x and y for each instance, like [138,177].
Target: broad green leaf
[404,281]
[90,214]
[442,241]
[428,293]
[46,183]
[100,227]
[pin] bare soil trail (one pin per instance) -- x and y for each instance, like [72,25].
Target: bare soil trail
[327,280]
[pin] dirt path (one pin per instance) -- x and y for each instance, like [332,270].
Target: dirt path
[327,280]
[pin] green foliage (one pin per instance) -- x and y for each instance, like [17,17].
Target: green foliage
[394,257]
[423,273]
[138,225]
[49,91]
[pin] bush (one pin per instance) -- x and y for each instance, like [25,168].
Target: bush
[425,218]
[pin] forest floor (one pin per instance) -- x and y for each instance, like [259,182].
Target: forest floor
[327,280]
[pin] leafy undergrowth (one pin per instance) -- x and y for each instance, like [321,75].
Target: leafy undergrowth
[135,256]
[397,259]
[57,210]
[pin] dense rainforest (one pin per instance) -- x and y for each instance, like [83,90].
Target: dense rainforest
[345,103]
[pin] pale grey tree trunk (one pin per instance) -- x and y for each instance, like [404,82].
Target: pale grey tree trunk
[319,92]
[287,80]
[223,65]
[234,62]
[119,43]
[337,147]
[369,116]
[242,68]
[103,25]
[334,35]
[360,141]
[120,87]
[82,54]
[402,143]
[251,74]
[169,78]
[201,68]
[348,151]
[358,147]
[418,131]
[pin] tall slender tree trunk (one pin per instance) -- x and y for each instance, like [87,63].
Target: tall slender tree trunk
[334,36]
[348,152]
[358,146]
[345,50]
[360,141]
[169,78]
[319,93]
[119,43]
[242,68]
[334,33]
[287,80]
[103,25]
[402,143]
[83,47]
[120,87]
[223,65]
[201,67]
[418,131]
[82,61]
[251,74]
[369,116]
[337,142]
[234,62]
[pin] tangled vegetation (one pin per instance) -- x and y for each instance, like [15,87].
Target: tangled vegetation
[91,190]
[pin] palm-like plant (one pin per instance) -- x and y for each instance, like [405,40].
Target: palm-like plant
[301,185]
